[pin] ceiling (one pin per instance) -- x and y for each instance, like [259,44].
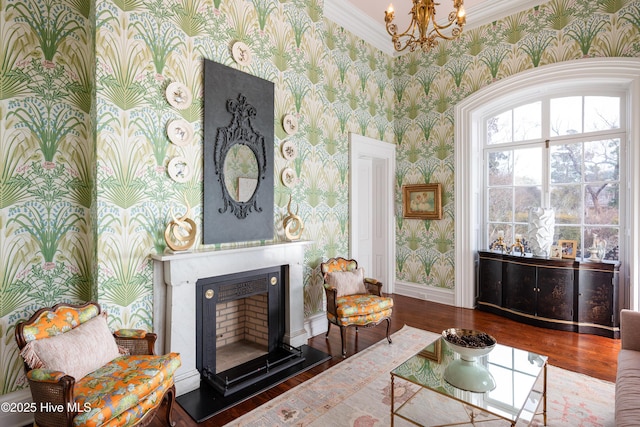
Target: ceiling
[365,18]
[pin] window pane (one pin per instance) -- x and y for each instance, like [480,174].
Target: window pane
[601,160]
[495,228]
[500,205]
[527,122]
[526,198]
[601,204]
[567,202]
[499,128]
[500,168]
[528,166]
[566,115]
[610,237]
[566,163]
[601,113]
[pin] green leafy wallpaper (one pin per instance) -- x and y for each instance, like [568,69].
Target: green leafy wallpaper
[47,244]
[84,191]
[428,86]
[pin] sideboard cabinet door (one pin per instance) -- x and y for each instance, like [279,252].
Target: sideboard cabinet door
[519,287]
[598,296]
[555,293]
[490,276]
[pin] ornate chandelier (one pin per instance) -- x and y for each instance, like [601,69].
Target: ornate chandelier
[424,12]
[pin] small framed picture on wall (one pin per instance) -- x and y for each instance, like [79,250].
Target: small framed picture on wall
[422,201]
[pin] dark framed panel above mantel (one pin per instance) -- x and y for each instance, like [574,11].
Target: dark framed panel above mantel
[238,113]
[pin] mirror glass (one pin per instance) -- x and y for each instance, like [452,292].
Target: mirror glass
[240,173]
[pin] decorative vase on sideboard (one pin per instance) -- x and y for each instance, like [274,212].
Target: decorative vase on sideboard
[540,235]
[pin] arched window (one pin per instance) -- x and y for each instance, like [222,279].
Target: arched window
[560,136]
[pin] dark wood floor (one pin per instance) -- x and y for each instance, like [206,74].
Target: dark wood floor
[587,354]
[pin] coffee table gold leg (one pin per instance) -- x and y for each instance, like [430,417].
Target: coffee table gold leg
[544,396]
[392,400]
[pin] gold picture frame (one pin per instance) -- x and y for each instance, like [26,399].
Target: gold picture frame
[433,351]
[569,248]
[422,201]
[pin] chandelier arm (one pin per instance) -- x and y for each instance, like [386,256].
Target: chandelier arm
[422,14]
[411,29]
[456,32]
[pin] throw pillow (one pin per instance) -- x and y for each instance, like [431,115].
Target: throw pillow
[77,352]
[347,282]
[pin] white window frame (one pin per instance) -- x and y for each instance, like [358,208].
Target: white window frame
[545,184]
[624,74]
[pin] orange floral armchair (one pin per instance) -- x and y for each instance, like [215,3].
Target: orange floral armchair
[80,374]
[352,299]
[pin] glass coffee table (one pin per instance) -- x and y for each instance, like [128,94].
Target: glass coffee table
[521,385]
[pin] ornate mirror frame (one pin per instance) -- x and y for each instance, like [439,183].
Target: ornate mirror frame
[238,110]
[239,131]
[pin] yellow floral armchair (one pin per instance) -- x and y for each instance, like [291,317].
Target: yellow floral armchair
[352,299]
[80,374]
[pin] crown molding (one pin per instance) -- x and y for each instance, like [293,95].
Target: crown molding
[345,14]
[362,25]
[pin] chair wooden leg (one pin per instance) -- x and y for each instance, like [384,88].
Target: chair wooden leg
[343,337]
[171,398]
[328,329]
[388,330]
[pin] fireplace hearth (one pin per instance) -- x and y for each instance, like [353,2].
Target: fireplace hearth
[237,315]
[175,278]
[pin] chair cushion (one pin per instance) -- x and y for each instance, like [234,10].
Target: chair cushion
[361,309]
[627,409]
[76,352]
[347,282]
[132,415]
[360,320]
[120,385]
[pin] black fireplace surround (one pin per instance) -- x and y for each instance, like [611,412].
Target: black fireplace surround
[214,290]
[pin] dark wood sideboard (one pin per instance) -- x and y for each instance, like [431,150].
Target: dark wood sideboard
[562,294]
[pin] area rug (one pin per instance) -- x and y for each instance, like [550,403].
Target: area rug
[356,393]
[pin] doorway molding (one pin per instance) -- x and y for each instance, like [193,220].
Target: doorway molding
[363,147]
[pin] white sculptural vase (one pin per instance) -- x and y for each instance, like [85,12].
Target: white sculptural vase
[541,227]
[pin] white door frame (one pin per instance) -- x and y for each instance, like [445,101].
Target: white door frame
[365,147]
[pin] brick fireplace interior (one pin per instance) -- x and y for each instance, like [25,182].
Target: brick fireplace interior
[240,329]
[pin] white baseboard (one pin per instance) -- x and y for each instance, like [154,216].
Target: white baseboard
[427,293]
[14,418]
[316,324]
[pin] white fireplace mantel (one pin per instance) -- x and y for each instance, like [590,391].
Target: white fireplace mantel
[174,289]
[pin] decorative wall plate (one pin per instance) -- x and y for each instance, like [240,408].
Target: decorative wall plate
[180,132]
[289,150]
[179,170]
[289,177]
[179,95]
[241,53]
[290,124]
